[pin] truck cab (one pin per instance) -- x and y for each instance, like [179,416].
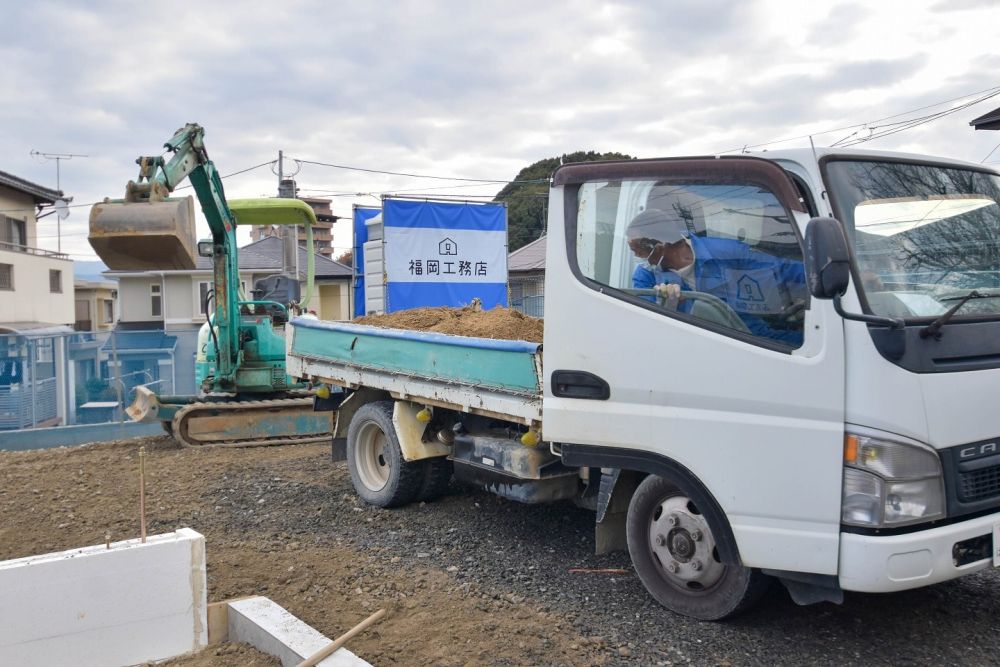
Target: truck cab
[752,420]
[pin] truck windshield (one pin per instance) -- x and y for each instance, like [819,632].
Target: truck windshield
[924,236]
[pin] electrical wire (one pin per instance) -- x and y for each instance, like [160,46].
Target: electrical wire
[398,173]
[986,92]
[894,128]
[235,173]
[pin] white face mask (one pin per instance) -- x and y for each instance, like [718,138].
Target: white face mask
[649,265]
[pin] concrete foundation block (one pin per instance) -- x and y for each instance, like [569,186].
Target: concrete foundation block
[133,602]
[269,627]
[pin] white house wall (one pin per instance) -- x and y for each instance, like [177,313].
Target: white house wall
[21,206]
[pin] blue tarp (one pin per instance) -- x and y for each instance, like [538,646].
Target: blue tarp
[361,214]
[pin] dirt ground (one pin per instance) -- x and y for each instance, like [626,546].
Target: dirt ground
[501,323]
[52,500]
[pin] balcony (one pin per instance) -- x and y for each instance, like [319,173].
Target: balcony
[39,252]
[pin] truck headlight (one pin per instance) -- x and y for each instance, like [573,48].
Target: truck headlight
[890,483]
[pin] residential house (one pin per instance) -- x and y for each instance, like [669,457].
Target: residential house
[161,311]
[96,313]
[36,306]
[526,278]
[95,304]
[36,286]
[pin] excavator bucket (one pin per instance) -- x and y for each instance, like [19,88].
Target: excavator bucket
[145,407]
[141,236]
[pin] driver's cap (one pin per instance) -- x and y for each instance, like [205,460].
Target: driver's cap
[658,225]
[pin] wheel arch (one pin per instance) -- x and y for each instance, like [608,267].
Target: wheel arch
[619,460]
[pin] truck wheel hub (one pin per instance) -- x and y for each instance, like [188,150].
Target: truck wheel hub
[687,557]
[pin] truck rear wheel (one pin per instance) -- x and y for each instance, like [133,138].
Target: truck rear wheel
[673,549]
[437,478]
[380,474]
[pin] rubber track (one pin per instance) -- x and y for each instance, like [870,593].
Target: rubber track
[181,418]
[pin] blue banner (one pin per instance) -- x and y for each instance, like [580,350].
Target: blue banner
[361,214]
[444,253]
[421,295]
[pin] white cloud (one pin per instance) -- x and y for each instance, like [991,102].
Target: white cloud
[475,90]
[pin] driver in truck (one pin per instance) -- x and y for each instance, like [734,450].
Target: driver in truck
[759,287]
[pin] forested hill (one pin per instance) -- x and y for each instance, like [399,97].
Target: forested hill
[527,202]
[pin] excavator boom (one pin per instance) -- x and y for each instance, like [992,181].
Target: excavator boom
[247,397]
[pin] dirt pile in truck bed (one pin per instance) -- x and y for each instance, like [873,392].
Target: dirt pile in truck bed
[502,323]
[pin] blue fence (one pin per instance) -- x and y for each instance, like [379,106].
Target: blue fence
[57,380]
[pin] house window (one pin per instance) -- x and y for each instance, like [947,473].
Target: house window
[7,276]
[109,311]
[83,322]
[12,231]
[55,280]
[203,289]
[155,301]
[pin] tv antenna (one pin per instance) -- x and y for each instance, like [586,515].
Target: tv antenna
[61,210]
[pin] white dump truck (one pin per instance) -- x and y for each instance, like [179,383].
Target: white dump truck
[777,366]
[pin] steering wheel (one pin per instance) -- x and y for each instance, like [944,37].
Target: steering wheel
[706,307]
[792,310]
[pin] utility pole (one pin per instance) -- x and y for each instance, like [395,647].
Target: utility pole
[289,237]
[58,157]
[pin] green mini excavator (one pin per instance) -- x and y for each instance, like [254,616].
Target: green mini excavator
[245,396]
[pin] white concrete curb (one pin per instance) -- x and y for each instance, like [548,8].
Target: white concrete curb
[269,627]
[132,603]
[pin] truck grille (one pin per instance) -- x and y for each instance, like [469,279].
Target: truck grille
[979,484]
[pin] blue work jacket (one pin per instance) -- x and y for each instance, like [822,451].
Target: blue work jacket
[752,283]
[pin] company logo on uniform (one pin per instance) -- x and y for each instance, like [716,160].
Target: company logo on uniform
[749,289]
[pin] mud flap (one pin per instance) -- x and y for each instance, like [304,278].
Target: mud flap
[338,449]
[617,487]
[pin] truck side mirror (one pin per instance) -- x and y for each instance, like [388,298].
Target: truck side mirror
[828,260]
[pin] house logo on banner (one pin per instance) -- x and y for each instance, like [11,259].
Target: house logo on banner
[444,254]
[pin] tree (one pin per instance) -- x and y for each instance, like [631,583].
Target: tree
[527,196]
[347,259]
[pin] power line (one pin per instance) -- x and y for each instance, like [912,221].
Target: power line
[235,173]
[398,173]
[914,122]
[987,92]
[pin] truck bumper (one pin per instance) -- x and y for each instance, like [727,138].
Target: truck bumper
[882,564]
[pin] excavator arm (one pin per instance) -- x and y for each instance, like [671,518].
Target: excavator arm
[149,229]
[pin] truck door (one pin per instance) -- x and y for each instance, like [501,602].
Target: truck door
[678,327]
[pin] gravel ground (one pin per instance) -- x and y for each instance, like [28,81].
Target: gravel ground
[471,579]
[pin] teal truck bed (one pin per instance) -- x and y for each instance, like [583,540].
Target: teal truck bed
[496,378]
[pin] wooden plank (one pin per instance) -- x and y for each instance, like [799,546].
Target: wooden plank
[218,622]
[218,619]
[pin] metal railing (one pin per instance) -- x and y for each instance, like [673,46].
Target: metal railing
[86,377]
[27,404]
[40,252]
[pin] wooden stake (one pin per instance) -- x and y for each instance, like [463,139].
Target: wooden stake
[319,655]
[142,494]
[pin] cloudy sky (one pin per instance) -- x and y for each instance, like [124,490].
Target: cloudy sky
[471,89]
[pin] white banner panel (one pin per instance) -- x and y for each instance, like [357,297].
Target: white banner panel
[421,254]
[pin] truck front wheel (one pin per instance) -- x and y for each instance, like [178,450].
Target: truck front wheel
[673,549]
[380,474]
